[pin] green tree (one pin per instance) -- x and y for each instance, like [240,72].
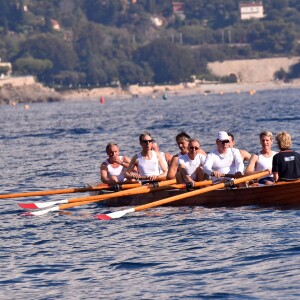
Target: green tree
[132,73]
[69,78]
[169,62]
[32,66]
[59,52]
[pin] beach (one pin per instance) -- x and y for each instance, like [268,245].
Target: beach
[183,89]
[23,90]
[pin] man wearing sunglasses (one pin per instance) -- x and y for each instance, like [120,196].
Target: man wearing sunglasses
[190,164]
[182,140]
[150,165]
[223,161]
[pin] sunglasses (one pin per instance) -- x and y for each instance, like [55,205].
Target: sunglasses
[224,142]
[147,141]
[192,148]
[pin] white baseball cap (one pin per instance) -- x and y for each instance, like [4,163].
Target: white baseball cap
[222,136]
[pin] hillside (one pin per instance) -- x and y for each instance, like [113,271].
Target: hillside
[93,43]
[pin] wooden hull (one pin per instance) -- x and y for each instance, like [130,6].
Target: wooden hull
[281,195]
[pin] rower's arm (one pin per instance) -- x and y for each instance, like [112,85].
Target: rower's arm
[251,166]
[131,168]
[104,173]
[173,168]
[163,166]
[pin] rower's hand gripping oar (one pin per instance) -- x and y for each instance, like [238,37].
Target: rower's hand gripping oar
[119,214]
[146,189]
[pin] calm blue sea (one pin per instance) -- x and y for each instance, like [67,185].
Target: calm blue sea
[163,253]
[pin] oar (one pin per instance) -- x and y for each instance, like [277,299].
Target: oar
[102,186]
[128,192]
[137,191]
[119,214]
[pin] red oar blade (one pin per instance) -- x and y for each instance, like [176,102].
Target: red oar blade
[28,205]
[103,217]
[39,205]
[114,215]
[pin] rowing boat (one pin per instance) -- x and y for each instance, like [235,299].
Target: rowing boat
[281,195]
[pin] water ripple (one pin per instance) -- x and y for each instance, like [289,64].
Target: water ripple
[163,253]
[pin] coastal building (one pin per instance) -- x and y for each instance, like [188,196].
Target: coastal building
[251,10]
[55,24]
[178,9]
[157,21]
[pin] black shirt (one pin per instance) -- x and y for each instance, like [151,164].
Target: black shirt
[287,164]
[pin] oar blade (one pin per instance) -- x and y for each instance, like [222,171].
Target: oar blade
[40,205]
[40,212]
[114,215]
[28,205]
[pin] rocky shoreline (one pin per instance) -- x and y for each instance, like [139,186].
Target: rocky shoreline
[32,93]
[169,90]
[35,92]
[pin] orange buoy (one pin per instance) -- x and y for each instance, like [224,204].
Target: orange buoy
[102,100]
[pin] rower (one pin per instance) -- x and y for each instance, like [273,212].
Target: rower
[262,160]
[113,168]
[147,162]
[182,140]
[191,164]
[222,160]
[286,163]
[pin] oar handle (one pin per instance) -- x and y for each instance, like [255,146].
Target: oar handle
[128,192]
[54,192]
[99,187]
[145,190]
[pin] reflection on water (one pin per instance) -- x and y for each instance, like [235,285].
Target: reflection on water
[164,253]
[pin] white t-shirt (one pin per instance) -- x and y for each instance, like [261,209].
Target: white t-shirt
[226,163]
[191,165]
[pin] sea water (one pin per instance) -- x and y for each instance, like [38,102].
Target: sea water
[162,253]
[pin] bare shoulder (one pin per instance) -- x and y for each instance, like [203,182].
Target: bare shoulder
[245,154]
[201,151]
[168,156]
[103,165]
[126,158]
[175,158]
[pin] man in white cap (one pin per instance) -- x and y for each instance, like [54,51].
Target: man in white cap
[223,161]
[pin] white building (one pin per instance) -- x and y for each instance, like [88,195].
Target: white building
[251,10]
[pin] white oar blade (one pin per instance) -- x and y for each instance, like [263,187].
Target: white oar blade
[39,205]
[40,212]
[114,215]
